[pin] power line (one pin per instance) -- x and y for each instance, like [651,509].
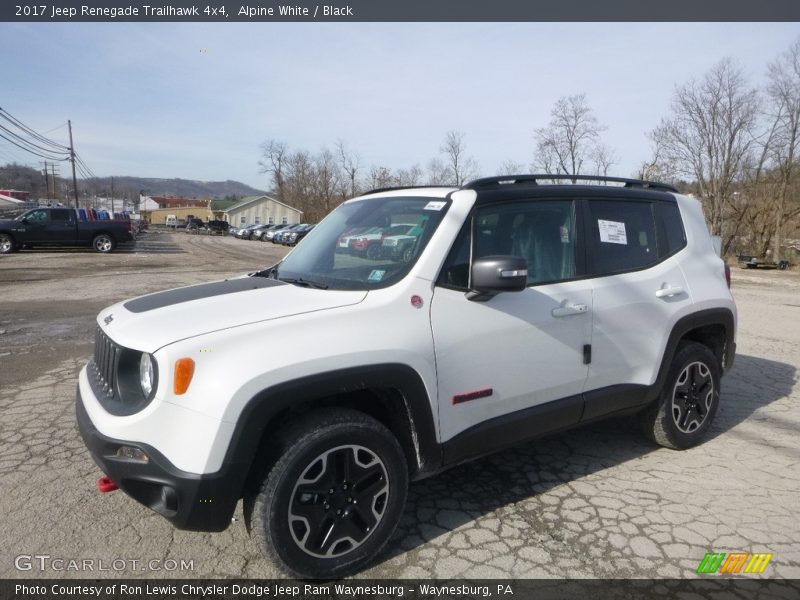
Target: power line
[26,144]
[48,156]
[36,135]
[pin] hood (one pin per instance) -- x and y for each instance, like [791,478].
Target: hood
[150,322]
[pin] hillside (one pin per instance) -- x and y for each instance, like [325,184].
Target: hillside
[177,187]
[24,178]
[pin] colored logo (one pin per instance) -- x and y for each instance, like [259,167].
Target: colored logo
[734,562]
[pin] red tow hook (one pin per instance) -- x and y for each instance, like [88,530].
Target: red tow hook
[105,485]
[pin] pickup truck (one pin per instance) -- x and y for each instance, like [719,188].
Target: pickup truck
[61,227]
[753,262]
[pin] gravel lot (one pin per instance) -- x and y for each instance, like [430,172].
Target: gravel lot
[596,502]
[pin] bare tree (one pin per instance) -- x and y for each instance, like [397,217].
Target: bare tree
[710,134]
[381,177]
[459,166]
[511,167]
[570,139]
[327,185]
[349,162]
[603,157]
[437,172]
[410,176]
[783,93]
[273,160]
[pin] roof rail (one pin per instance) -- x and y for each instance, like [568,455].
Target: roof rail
[534,180]
[404,187]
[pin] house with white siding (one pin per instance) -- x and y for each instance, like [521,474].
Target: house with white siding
[264,210]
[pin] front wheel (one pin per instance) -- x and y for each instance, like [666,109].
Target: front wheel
[103,243]
[334,496]
[7,244]
[685,409]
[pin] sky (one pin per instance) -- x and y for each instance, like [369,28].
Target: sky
[197,100]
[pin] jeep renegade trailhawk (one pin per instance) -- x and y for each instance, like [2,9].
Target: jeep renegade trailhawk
[501,311]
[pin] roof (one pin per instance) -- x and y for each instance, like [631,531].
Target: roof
[252,199]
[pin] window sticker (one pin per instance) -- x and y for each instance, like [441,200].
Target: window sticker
[435,205]
[612,232]
[376,275]
[564,234]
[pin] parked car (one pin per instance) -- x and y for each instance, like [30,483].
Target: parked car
[171,221]
[271,233]
[62,227]
[257,231]
[244,232]
[216,226]
[293,238]
[526,308]
[283,234]
[194,225]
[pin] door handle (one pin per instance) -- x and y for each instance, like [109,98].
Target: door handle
[669,291]
[572,309]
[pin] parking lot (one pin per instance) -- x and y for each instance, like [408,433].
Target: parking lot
[598,502]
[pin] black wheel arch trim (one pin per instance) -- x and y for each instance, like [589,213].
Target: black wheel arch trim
[695,321]
[261,410]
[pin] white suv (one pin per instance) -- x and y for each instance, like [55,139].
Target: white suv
[524,306]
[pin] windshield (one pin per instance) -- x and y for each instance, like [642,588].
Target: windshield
[364,245]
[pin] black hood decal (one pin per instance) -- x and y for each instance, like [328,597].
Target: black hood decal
[196,292]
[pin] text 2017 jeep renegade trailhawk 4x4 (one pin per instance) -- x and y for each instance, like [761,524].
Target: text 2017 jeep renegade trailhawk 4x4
[520,305]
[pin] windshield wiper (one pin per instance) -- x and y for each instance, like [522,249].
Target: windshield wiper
[304,283]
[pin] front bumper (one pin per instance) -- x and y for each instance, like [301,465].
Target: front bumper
[187,500]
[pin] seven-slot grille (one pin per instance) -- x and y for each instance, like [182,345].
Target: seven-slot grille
[106,354]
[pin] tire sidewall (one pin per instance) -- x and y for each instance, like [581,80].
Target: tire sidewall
[12,247]
[687,355]
[103,236]
[281,481]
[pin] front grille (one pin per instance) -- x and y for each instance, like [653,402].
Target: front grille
[106,358]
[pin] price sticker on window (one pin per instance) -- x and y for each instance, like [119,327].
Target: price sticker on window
[612,232]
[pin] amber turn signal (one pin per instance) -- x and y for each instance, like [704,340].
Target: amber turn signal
[184,370]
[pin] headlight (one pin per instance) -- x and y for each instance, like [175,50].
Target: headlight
[146,374]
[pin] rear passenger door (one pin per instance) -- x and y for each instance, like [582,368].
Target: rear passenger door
[639,293]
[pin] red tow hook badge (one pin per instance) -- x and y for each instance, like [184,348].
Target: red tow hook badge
[105,485]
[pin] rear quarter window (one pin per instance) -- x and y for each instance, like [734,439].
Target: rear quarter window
[669,227]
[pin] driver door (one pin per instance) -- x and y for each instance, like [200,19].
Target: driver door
[512,366]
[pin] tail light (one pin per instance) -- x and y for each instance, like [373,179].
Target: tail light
[728,275]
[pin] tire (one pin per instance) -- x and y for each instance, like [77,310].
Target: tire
[7,244]
[685,409]
[374,251]
[310,516]
[103,243]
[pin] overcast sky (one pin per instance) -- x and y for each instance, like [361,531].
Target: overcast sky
[195,101]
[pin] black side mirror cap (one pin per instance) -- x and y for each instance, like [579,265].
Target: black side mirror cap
[494,274]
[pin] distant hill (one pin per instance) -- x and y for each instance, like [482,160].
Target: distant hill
[19,177]
[178,187]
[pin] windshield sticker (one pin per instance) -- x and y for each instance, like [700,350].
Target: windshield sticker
[612,232]
[376,275]
[435,205]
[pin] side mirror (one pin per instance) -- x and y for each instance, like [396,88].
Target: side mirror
[25,220]
[494,274]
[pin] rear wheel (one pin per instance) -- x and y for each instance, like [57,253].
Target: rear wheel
[7,244]
[374,251]
[334,496]
[103,243]
[684,411]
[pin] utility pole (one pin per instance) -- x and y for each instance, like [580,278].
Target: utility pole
[53,170]
[46,180]
[112,194]
[72,160]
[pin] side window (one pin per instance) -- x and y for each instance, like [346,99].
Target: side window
[60,216]
[541,232]
[621,236]
[38,216]
[669,228]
